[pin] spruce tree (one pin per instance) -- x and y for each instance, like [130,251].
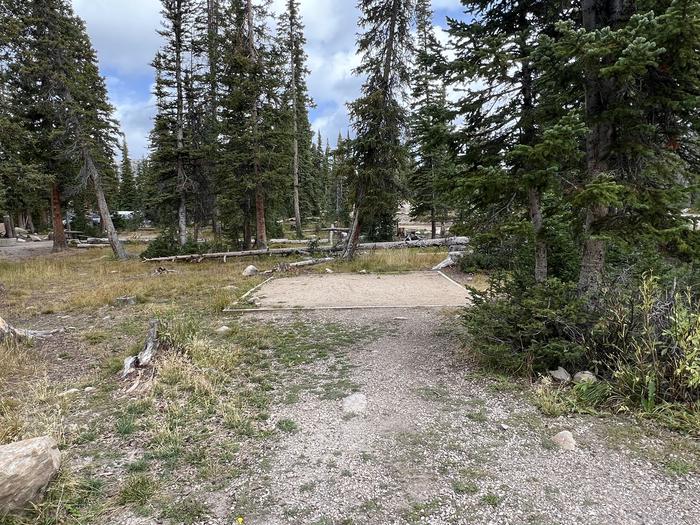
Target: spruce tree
[433,167]
[379,117]
[291,31]
[128,194]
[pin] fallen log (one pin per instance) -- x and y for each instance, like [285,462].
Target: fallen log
[250,253]
[302,264]
[146,355]
[428,243]
[7,331]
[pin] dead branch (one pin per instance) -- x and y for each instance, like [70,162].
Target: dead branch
[145,357]
[7,331]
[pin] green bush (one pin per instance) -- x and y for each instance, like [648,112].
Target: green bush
[524,328]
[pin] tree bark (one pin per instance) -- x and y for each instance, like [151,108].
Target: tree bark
[261,228]
[355,228]
[295,116]
[9,230]
[59,232]
[181,177]
[107,224]
[600,95]
[535,205]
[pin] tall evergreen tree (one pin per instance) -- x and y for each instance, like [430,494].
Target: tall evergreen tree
[430,180]
[293,41]
[379,117]
[128,193]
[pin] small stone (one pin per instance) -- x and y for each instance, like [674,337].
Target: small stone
[363,271]
[70,392]
[355,404]
[250,271]
[26,469]
[504,426]
[223,330]
[125,301]
[328,270]
[400,318]
[90,390]
[560,374]
[585,377]
[565,441]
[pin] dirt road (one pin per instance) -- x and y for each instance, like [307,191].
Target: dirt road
[440,444]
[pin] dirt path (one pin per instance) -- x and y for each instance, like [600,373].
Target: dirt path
[440,444]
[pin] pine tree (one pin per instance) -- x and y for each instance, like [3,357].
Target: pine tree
[378,116]
[128,195]
[168,136]
[293,40]
[433,171]
[61,101]
[256,123]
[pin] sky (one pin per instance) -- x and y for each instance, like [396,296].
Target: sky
[124,34]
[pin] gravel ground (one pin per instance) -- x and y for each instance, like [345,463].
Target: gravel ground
[440,444]
[348,290]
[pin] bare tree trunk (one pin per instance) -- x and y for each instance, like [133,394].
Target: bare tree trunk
[261,229]
[355,228]
[295,116]
[9,230]
[181,177]
[600,94]
[535,205]
[247,234]
[112,235]
[30,222]
[59,233]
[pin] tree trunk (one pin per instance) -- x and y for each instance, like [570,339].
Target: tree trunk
[181,177]
[295,117]
[108,225]
[9,230]
[260,227]
[59,233]
[354,234]
[600,95]
[30,222]
[182,220]
[535,205]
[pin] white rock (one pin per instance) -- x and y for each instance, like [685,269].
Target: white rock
[90,390]
[363,271]
[328,270]
[585,377]
[223,330]
[355,404]
[70,392]
[250,271]
[565,440]
[560,374]
[26,469]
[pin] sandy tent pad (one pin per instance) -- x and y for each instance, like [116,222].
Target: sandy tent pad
[348,291]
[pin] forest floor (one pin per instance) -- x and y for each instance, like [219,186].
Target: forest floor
[247,425]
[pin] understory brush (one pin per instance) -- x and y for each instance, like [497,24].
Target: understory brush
[642,340]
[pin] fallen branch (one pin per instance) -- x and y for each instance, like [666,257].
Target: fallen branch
[145,357]
[302,264]
[7,331]
[429,243]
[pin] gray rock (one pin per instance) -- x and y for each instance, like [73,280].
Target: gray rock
[250,271]
[560,374]
[355,404]
[126,301]
[585,377]
[26,469]
[223,330]
[565,440]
